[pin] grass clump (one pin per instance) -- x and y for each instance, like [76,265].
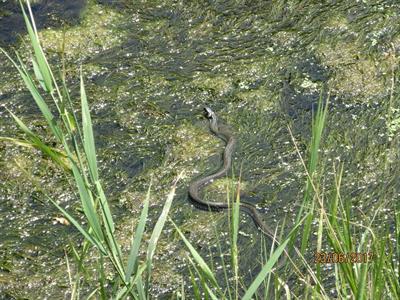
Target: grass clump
[364,260]
[130,276]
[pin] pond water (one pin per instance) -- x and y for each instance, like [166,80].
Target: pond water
[150,68]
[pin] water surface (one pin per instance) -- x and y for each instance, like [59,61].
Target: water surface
[150,68]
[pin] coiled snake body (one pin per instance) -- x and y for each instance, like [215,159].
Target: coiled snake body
[196,185]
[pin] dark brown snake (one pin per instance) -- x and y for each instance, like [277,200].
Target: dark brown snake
[196,185]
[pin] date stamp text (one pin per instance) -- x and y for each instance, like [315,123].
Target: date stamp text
[342,258]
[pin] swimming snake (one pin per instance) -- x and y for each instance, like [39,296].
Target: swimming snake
[194,188]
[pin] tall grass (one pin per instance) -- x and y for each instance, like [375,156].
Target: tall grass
[311,189]
[374,278]
[132,277]
[212,288]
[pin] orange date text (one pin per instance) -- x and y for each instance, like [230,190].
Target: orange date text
[342,258]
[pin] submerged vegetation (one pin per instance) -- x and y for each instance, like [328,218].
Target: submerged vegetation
[323,169]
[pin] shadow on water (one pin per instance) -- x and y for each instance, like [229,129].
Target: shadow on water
[48,13]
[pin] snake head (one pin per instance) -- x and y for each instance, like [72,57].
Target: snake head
[209,113]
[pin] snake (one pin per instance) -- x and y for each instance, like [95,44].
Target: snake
[196,185]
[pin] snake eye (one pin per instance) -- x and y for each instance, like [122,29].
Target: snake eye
[208,112]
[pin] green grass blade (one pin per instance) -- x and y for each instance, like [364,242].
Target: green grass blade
[307,230]
[157,231]
[197,258]
[38,74]
[137,239]
[318,124]
[140,289]
[93,240]
[224,267]
[196,290]
[378,263]
[207,291]
[87,204]
[182,292]
[108,220]
[32,144]
[88,139]
[18,142]
[234,234]
[362,282]
[124,291]
[69,111]
[36,96]
[109,226]
[266,269]
[58,157]
[102,278]
[42,65]
[210,292]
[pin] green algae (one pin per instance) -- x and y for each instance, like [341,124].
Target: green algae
[100,30]
[355,74]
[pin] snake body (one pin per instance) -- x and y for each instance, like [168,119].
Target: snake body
[196,185]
